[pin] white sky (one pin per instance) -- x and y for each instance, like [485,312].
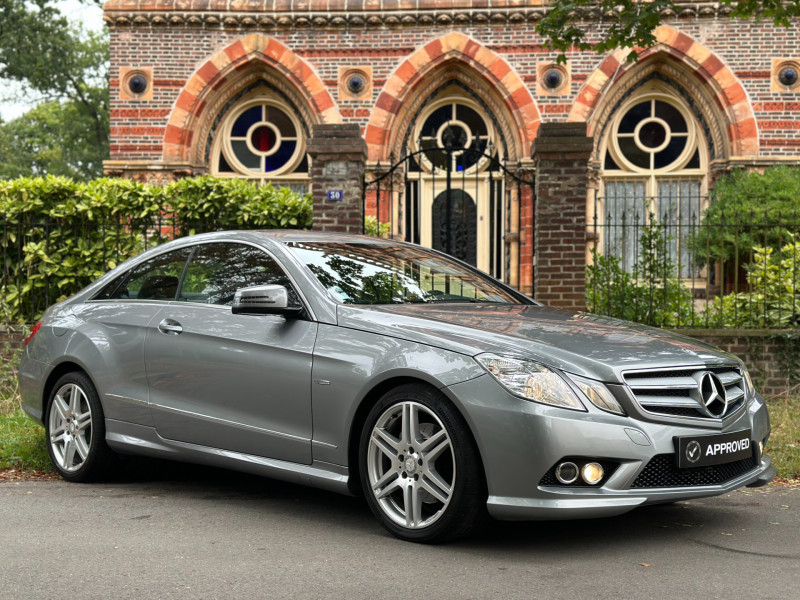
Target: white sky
[91,17]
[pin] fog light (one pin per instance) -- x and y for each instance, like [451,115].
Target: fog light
[592,473]
[760,449]
[567,472]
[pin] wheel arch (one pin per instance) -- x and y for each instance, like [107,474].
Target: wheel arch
[363,409]
[61,369]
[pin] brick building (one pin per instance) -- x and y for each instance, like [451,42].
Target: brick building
[461,96]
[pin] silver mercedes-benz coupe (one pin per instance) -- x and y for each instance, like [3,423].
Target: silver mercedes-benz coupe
[375,367]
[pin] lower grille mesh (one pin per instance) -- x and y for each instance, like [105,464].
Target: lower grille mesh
[661,471]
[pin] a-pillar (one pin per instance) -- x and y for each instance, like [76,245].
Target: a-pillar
[561,154]
[338,154]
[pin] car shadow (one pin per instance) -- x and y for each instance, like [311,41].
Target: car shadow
[646,524]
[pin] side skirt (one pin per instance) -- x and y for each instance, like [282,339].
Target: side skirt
[130,438]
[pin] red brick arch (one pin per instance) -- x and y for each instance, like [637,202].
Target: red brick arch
[709,71]
[214,74]
[454,46]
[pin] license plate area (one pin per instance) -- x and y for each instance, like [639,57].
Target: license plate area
[716,449]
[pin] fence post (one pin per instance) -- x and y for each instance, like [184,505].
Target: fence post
[338,155]
[561,153]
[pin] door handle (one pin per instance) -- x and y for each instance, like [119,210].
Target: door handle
[170,327]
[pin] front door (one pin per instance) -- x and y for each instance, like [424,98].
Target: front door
[233,382]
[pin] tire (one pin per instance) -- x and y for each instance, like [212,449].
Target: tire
[416,451]
[75,430]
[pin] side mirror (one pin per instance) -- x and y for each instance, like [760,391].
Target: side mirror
[264,300]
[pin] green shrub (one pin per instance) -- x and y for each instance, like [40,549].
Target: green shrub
[373,228]
[651,293]
[773,298]
[746,210]
[59,235]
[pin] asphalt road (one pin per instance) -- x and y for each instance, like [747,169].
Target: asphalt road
[184,532]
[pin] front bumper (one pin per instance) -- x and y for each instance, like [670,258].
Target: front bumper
[520,441]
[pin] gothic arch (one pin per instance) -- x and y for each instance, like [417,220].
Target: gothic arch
[219,79]
[452,57]
[717,92]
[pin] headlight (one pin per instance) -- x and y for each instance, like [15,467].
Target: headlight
[750,389]
[598,394]
[530,380]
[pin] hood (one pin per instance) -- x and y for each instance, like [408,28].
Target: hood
[580,343]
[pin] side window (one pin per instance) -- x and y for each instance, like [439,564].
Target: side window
[216,271]
[156,279]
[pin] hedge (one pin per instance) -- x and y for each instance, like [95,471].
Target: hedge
[58,235]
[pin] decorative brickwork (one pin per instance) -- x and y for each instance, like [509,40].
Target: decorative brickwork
[338,155]
[212,75]
[710,74]
[561,152]
[450,51]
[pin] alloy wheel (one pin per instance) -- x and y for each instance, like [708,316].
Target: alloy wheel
[411,465]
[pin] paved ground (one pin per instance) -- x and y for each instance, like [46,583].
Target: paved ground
[196,533]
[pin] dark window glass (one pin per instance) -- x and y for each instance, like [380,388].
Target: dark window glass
[224,167]
[610,164]
[281,120]
[694,162]
[633,153]
[672,116]
[436,120]
[652,134]
[671,153]
[247,158]
[633,116]
[218,270]
[281,156]
[245,121]
[108,289]
[472,119]
[156,279]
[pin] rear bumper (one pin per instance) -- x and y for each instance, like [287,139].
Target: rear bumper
[32,377]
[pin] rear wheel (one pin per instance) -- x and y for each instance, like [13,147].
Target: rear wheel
[420,469]
[75,429]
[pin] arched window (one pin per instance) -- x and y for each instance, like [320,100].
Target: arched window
[263,139]
[654,170]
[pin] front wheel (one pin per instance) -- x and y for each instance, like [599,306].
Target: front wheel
[75,429]
[420,470]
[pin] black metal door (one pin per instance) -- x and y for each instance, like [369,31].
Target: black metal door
[463,225]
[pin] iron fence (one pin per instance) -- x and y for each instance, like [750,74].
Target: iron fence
[677,261]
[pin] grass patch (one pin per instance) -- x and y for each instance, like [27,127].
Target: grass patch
[22,445]
[784,441]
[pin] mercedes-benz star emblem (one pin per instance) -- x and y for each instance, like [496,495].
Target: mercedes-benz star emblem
[713,396]
[693,451]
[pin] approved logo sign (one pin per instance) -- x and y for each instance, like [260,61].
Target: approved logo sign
[717,449]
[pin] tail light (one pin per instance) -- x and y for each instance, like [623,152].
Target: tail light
[33,332]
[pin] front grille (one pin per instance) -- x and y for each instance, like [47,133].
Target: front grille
[675,392]
[662,472]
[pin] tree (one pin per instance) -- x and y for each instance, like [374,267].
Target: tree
[630,23]
[68,69]
[53,138]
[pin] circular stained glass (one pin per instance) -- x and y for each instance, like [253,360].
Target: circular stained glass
[454,137]
[652,135]
[263,139]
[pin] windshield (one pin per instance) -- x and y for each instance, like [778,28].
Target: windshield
[364,273]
